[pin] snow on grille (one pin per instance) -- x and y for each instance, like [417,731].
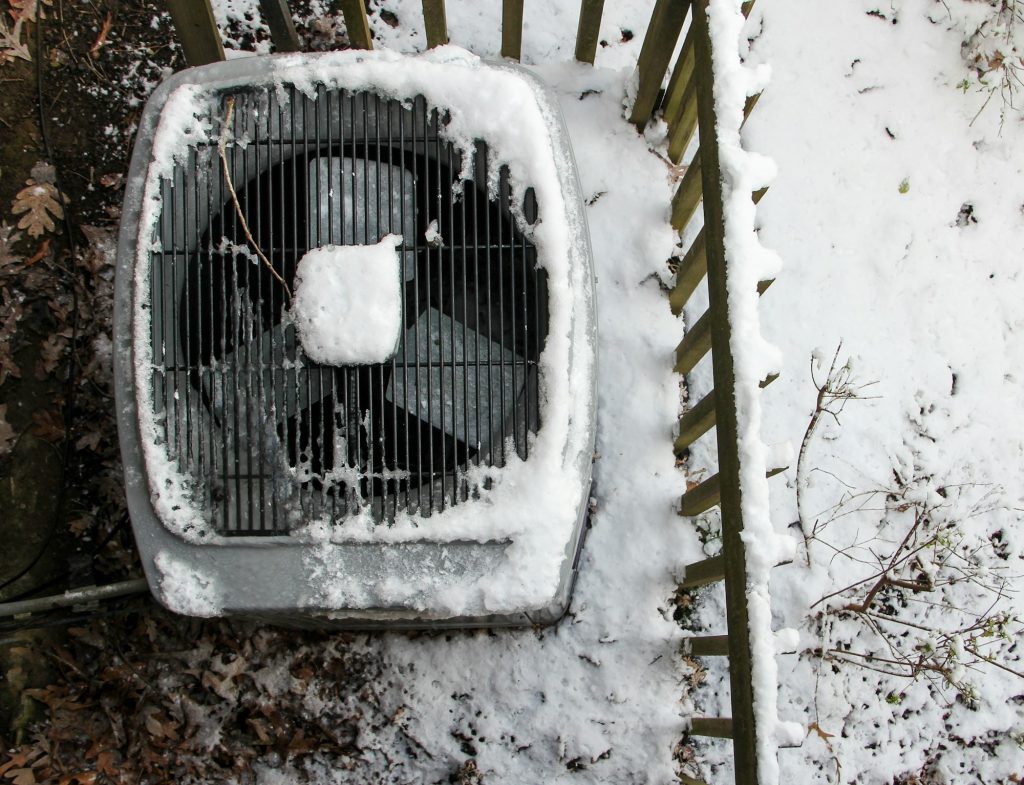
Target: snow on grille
[265,438]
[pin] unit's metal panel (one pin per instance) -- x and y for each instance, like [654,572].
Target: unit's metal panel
[199,413]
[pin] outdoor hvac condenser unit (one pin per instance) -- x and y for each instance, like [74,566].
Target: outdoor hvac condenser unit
[355,342]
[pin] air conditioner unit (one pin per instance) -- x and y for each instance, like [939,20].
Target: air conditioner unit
[354,337]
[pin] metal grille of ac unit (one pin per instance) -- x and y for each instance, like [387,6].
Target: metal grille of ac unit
[268,439]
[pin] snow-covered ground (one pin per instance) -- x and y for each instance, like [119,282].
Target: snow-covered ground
[599,694]
[901,228]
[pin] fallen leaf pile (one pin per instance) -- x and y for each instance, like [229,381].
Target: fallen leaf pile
[28,10]
[10,304]
[10,315]
[55,323]
[155,698]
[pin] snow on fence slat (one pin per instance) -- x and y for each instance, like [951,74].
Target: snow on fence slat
[662,33]
[278,17]
[711,93]
[201,39]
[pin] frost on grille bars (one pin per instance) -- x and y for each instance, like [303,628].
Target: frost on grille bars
[267,438]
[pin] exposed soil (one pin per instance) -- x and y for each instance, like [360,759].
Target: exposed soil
[94,60]
[125,692]
[68,115]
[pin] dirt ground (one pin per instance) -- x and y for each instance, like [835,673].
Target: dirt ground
[126,692]
[71,74]
[69,114]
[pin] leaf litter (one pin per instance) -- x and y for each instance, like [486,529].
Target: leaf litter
[38,204]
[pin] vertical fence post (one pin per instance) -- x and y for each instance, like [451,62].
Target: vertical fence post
[655,54]
[681,76]
[589,29]
[436,22]
[278,17]
[356,23]
[512,29]
[726,425]
[197,30]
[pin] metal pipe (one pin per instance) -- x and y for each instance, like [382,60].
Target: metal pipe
[74,597]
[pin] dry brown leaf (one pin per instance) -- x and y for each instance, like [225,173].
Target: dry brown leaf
[7,435]
[81,778]
[300,744]
[262,730]
[8,237]
[21,776]
[28,10]
[823,735]
[36,202]
[90,441]
[158,727]
[102,248]
[153,724]
[48,425]
[11,45]
[105,763]
[112,180]
[61,311]
[94,639]
[38,256]
[7,365]
[51,352]
[19,759]
[43,172]
[10,315]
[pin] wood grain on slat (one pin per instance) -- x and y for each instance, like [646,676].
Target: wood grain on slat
[589,30]
[278,17]
[512,29]
[436,23]
[356,23]
[197,30]
[655,55]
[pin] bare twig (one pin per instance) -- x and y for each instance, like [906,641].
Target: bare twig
[222,150]
[974,650]
[838,388]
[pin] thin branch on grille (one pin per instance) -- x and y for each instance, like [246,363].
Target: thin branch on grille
[221,148]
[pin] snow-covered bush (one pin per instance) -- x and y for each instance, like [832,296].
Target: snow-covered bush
[993,50]
[928,598]
[914,630]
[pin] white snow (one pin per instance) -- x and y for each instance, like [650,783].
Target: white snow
[184,122]
[901,277]
[747,263]
[185,589]
[347,303]
[924,293]
[433,236]
[599,697]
